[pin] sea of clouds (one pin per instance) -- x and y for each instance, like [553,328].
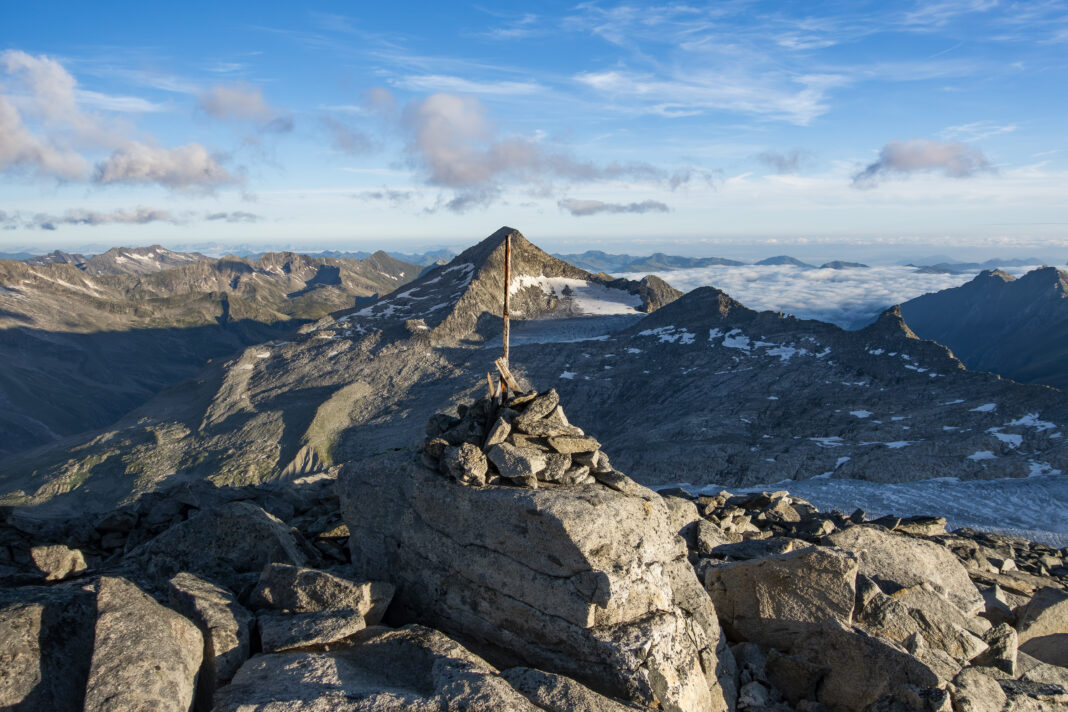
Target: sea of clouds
[850,298]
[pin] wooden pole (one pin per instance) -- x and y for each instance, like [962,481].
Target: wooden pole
[507,282]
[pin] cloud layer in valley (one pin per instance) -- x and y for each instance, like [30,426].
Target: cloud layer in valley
[850,298]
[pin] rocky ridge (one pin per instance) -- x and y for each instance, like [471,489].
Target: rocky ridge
[82,347]
[1014,327]
[405,583]
[726,395]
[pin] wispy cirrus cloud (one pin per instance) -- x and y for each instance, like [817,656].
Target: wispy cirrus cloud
[954,159]
[976,130]
[583,208]
[461,85]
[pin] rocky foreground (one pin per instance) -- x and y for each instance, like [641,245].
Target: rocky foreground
[507,566]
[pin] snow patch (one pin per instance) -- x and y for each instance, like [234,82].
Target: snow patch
[984,408]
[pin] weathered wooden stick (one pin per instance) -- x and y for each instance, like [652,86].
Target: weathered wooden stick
[492,386]
[507,282]
[506,375]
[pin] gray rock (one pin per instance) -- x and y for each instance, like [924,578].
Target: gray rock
[883,615]
[757,548]
[223,622]
[57,561]
[860,668]
[1003,649]
[570,444]
[772,601]
[684,519]
[557,693]
[466,464]
[975,692]
[538,408]
[145,656]
[754,694]
[46,642]
[512,461]
[906,561]
[584,582]
[1043,626]
[498,433]
[710,537]
[415,669]
[577,475]
[299,590]
[797,679]
[221,544]
[556,467]
[294,631]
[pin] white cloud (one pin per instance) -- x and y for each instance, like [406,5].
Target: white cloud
[62,128]
[956,160]
[185,167]
[849,298]
[243,102]
[21,150]
[453,140]
[582,208]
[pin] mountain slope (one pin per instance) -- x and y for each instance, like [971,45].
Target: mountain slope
[700,390]
[1017,328]
[79,349]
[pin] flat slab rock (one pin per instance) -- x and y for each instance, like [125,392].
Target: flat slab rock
[412,668]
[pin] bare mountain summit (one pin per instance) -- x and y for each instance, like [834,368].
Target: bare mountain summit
[1017,328]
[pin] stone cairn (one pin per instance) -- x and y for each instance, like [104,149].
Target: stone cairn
[523,440]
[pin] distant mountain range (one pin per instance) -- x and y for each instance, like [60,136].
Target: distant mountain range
[1014,327]
[696,388]
[950,267]
[597,261]
[84,341]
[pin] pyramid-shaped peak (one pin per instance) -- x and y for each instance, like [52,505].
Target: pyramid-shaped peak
[890,324]
[462,301]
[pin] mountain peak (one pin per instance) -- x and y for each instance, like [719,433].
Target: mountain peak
[890,324]
[463,300]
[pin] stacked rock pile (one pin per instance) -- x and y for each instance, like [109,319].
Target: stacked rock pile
[522,440]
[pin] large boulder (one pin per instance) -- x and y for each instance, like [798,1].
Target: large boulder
[301,590]
[46,641]
[584,581]
[770,601]
[57,561]
[1043,626]
[224,544]
[414,669]
[223,622]
[859,669]
[898,560]
[145,656]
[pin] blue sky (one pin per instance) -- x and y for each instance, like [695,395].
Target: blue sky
[735,128]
